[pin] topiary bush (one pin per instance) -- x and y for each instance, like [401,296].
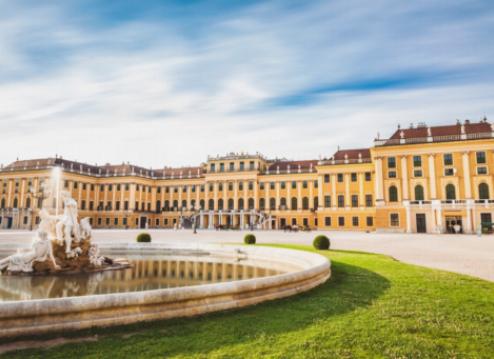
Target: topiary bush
[249,239]
[143,238]
[321,242]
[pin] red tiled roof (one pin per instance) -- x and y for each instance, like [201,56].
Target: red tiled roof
[283,165]
[352,154]
[419,132]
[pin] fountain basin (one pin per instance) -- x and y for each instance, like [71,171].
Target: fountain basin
[286,272]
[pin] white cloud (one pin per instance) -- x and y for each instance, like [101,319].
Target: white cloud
[144,92]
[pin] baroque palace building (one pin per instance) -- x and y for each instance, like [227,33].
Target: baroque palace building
[421,179]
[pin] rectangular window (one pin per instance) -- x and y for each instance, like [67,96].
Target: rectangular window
[481,170]
[124,221]
[294,185]
[117,205]
[251,186]
[283,185]
[220,186]
[481,157]
[251,165]
[391,162]
[417,161]
[341,201]
[417,173]
[115,221]
[354,200]
[91,205]
[213,167]
[394,219]
[107,221]
[326,178]
[126,205]
[392,174]
[341,221]
[316,184]
[261,186]
[355,221]
[327,201]
[304,184]
[240,186]
[448,159]
[271,185]
[242,166]
[368,176]
[340,177]
[193,187]
[231,166]
[354,177]
[222,167]
[83,205]
[327,221]
[157,222]
[368,200]
[449,171]
[370,221]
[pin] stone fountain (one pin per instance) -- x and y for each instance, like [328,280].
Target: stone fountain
[62,243]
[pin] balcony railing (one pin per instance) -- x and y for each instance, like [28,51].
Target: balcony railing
[447,138]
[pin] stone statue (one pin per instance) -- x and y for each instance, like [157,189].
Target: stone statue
[40,251]
[62,244]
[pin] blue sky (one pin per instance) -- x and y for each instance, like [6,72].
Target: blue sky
[169,82]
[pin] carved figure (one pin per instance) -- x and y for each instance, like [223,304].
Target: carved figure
[40,251]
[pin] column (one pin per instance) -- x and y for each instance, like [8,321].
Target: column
[432,178]
[404,178]
[408,215]
[361,199]
[334,201]
[379,180]
[347,190]
[132,199]
[215,194]
[468,222]
[320,198]
[278,197]
[466,175]
[299,195]
[235,195]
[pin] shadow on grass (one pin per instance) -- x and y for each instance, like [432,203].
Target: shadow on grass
[349,288]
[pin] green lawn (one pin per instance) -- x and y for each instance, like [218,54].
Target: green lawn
[372,306]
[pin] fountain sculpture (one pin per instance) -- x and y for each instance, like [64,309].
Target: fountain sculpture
[62,243]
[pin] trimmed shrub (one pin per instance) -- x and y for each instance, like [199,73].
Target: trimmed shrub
[143,238]
[321,242]
[249,239]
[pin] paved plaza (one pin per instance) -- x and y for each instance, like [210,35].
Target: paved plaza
[466,254]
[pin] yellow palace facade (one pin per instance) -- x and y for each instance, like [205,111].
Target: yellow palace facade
[421,179]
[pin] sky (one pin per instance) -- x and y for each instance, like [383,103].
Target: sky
[167,83]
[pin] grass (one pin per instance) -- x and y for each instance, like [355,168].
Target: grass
[373,306]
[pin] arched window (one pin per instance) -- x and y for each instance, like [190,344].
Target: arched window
[175,205]
[316,202]
[294,203]
[419,193]
[184,204]
[305,203]
[211,204]
[16,203]
[272,203]
[283,202]
[483,191]
[393,194]
[231,204]
[202,204]
[167,205]
[2,203]
[251,203]
[241,203]
[193,204]
[28,202]
[262,204]
[40,202]
[158,206]
[220,204]
[450,192]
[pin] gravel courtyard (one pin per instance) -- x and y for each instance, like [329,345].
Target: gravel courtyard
[466,254]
